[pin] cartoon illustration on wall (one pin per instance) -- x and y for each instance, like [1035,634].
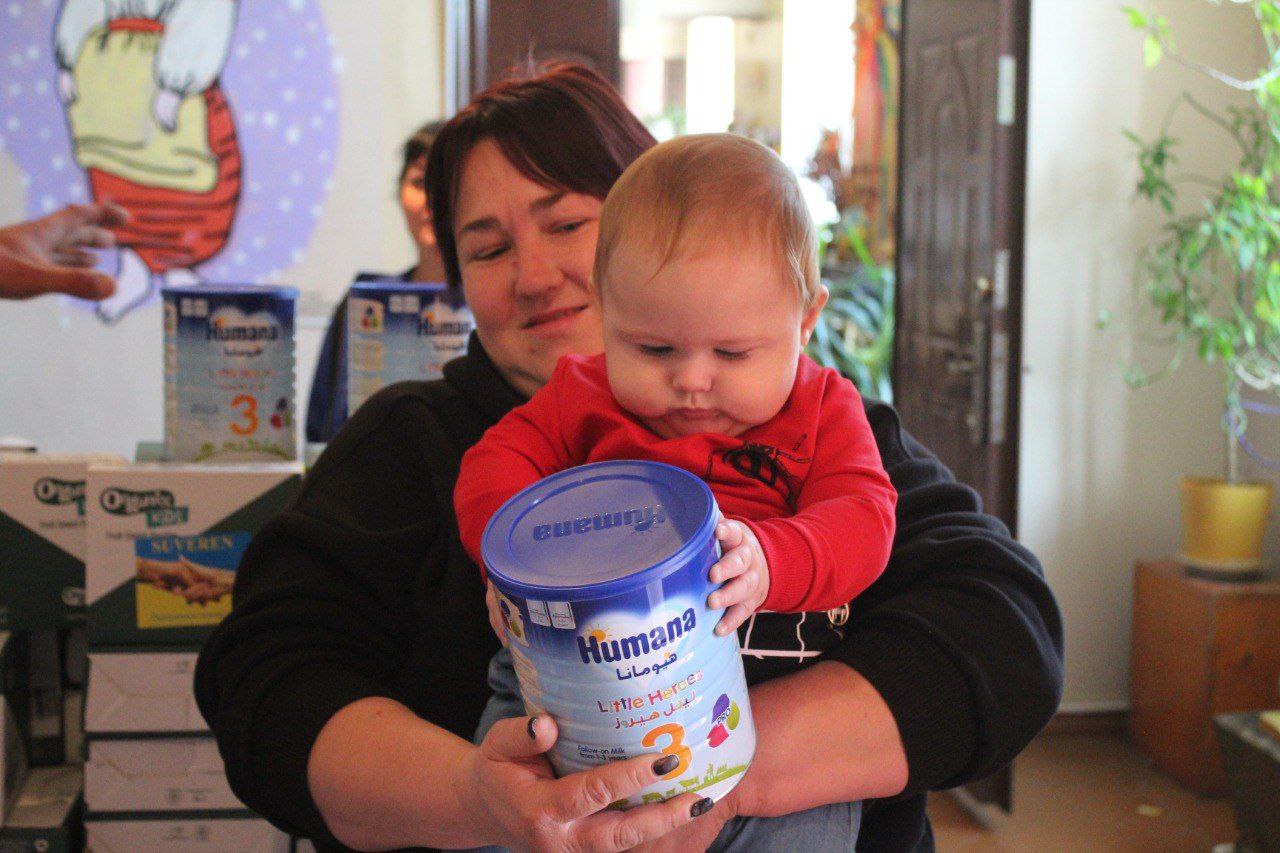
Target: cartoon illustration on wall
[152,130]
[213,122]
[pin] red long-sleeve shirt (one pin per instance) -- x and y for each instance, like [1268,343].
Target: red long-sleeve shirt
[809,482]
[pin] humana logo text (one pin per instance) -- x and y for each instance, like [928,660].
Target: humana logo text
[430,328]
[593,650]
[641,519]
[220,330]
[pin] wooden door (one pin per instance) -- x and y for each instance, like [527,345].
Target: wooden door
[957,350]
[486,39]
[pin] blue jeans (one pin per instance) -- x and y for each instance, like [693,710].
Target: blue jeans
[825,829]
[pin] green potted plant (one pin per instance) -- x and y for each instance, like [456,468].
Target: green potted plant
[1212,279]
[854,333]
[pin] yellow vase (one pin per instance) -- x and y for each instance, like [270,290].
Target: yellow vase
[1223,524]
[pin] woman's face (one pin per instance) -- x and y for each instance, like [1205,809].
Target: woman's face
[413,201]
[525,252]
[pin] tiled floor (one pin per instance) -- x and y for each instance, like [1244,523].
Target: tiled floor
[1088,792]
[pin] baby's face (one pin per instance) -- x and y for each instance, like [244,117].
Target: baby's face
[709,343]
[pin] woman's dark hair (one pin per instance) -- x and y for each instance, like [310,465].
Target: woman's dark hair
[564,127]
[417,146]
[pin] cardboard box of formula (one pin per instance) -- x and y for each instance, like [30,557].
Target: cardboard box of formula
[45,816]
[235,832]
[164,542]
[42,539]
[43,686]
[142,692]
[156,774]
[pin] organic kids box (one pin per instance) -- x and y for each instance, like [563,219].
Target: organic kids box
[601,573]
[42,539]
[228,373]
[401,330]
[164,542]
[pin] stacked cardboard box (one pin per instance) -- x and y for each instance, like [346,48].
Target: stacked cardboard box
[42,580]
[164,542]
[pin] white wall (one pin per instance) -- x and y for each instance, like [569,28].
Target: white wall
[1100,463]
[71,384]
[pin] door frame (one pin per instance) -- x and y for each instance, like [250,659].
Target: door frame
[1008,235]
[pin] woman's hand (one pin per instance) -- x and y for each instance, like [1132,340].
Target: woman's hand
[700,834]
[522,805]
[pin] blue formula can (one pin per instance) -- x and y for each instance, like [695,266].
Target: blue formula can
[228,373]
[401,330]
[601,573]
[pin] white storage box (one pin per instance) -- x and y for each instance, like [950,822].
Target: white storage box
[236,833]
[156,774]
[140,692]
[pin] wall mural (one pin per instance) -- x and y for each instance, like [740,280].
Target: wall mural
[213,122]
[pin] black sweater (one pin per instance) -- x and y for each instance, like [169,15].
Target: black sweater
[361,588]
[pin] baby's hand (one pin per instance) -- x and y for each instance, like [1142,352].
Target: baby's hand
[496,622]
[743,566]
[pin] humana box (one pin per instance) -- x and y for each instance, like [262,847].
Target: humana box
[142,692]
[42,538]
[156,774]
[236,832]
[164,542]
[45,816]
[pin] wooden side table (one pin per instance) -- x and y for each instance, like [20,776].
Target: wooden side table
[1201,647]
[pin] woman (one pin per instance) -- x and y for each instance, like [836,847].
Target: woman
[345,683]
[327,405]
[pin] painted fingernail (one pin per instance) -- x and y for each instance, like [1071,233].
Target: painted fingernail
[532,734]
[665,765]
[701,807]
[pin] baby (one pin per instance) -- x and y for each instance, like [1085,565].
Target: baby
[707,275]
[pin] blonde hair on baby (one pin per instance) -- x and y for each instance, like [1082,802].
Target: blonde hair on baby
[704,191]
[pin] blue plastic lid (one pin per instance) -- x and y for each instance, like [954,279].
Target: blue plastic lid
[392,284]
[598,530]
[231,290]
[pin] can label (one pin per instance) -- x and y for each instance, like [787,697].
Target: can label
[641,672]
[400,330]
[228,369]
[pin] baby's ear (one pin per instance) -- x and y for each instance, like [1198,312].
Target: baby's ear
[810,318]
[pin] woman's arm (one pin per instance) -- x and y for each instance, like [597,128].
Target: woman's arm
[951,661]
[384,778]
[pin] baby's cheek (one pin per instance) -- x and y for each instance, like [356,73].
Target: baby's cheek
[636,392]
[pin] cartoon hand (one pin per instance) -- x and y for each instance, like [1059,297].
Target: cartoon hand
[165,109]
[67,87]
[207,584]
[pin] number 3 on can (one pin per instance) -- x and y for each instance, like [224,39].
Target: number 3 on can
[248,407]
[675,746]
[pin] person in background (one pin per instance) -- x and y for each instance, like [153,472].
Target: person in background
[51,254]
[327,405]
[345,684]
